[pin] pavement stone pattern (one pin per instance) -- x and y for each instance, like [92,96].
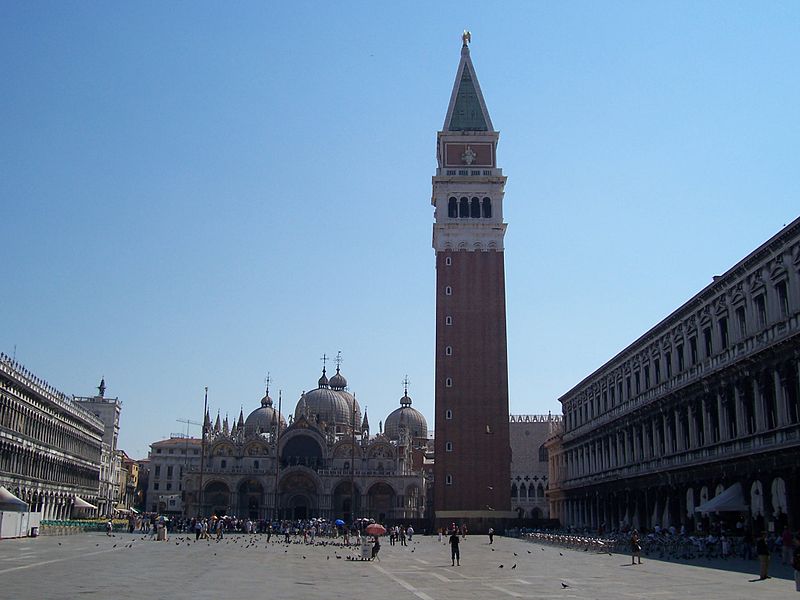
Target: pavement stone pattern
[125,566]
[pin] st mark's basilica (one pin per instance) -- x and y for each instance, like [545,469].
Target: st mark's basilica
[322,462]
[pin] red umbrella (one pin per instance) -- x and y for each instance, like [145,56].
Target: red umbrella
[375,529]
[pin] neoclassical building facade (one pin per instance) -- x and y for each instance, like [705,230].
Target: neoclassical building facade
[50,448]
[705,402]
[322,462]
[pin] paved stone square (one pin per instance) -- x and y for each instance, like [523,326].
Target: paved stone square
[126,566]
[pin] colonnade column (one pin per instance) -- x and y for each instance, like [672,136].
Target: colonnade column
[706,423]
[741,426]
[759,406]
[692,427]
[722,420]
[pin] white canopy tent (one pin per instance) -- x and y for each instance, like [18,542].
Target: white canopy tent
[81,503]
[729,500]
[10,502]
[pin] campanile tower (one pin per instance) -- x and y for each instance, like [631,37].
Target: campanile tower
[472,446]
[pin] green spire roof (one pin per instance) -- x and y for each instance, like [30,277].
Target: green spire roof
[467,111]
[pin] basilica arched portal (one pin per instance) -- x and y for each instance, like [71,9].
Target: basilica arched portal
[346,501]
[217,497]
[381,501]
[251,499]
[299,495]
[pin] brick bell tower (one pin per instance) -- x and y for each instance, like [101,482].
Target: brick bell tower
[472,448]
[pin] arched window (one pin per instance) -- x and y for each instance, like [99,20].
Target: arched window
[448,351]
[513,490]
[448,291]
[452,208]
[487,208]
[463,208]
[448,480]
[475,208]
[448,320]
[448,414]
[540,491]
[542,453]
[448,260]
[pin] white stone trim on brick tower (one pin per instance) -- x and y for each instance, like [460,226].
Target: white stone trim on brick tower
[467,171]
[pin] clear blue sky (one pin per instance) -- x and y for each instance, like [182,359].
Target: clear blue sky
[198,193]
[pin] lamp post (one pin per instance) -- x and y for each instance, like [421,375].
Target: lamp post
[202,456]
[353,464]
[277,458]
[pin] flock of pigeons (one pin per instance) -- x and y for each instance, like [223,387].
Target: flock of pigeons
[254,541]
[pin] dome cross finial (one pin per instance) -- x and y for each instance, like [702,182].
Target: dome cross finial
[339,360]
[405,384]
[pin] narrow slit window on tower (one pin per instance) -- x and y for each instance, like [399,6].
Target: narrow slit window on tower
[448,446]
[448,480]
[452,208]
[448,351]
[448,260]
[448,291]
[448,320]
[487,208]
[463,208]
[448,382]
[475,208]
[448,414]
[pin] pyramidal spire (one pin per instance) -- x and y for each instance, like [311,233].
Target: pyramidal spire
[467,109]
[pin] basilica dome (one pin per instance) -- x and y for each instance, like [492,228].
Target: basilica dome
[329,404]
[405,416]
[263,419]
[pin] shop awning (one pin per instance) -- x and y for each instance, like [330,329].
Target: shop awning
[729,500]
[81,503]
[10,502]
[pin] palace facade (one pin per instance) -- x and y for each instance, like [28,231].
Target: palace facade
[703,405]
[529,464]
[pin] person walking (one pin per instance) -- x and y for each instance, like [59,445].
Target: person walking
[787,546]
[455,555]
[491,535]
[636,547]
[376,547]
[796,563]
[762,550]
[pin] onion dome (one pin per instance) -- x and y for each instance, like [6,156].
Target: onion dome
[408,417]
[265,418]
[332,406]
[323,381]
[338,382]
